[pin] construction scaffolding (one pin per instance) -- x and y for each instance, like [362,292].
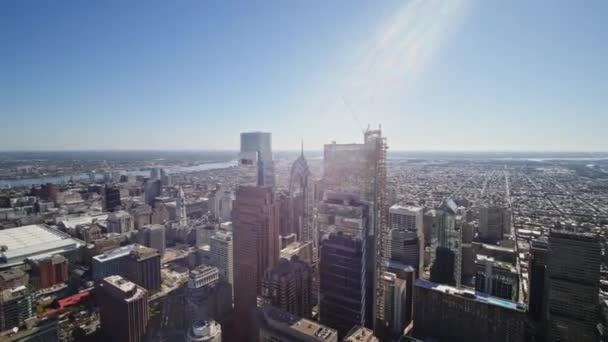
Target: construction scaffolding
[377,194]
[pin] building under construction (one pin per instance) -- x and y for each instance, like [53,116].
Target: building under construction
[360,169]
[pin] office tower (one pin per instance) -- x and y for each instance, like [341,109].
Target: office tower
[119,222]
[256,248]
[405,247]
[288,286]
[110,262]
[361,169]
[573,286]
[398,287]
[496,278]
[142,215]
[50,271]
[153,236]
[207,296]
[16,305]
[300,199]
[123,309]
[50,192]
[276,325]
[408,218]
[111,198]
[142,266]
[537,266]
[152,189]
[360,334]
[260,143]
[220,203]
[222,254]
[494,223]
[135,262]
[205,331]
[446,243]
[446,313]
[180,207]
[347,264]
[155,173]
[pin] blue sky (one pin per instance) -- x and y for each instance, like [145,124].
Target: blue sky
[437,75]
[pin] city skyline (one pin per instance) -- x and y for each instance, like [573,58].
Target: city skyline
[438,76]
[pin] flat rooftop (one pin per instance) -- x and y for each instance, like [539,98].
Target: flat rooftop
[405,209]
[470,295]
[304,326]
[34,242]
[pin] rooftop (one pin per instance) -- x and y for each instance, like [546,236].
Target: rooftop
[470,295]
[283,320]
[405,209]
[33,242]
[360,334]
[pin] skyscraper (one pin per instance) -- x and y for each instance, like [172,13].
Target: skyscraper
[573,286]
[361,169]
[406,237]
[288,286]
[222,254]
[152,189]
[494,222]
[256,248]
[16,305]
[346,265]
[300,199]
[111,198]
[447,245]
[537,268]
[142,266]
[260,143]
[123,308]
[153,236]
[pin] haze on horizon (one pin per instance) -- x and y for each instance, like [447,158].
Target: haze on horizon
[437,75]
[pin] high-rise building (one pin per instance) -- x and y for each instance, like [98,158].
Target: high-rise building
[537,267]
[180,207]
[119,222]
[152,189]
[16,305]
[153,236]
[496,278]
[142,266]
[446,313]
[51,270]
[494,223]
[398,287]
[205,331]
[406,236]
[13,277]
[446,243]
[260,143]
[361,169]
[222,254]
[573,286]
[276,325]
[288,286]
[256,248]
[300,199]
[135,262]
[207,296]
[346,269]
[111,198]
[123,309]
[46,330]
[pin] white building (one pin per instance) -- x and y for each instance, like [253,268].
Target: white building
[119,222]
[222,254]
